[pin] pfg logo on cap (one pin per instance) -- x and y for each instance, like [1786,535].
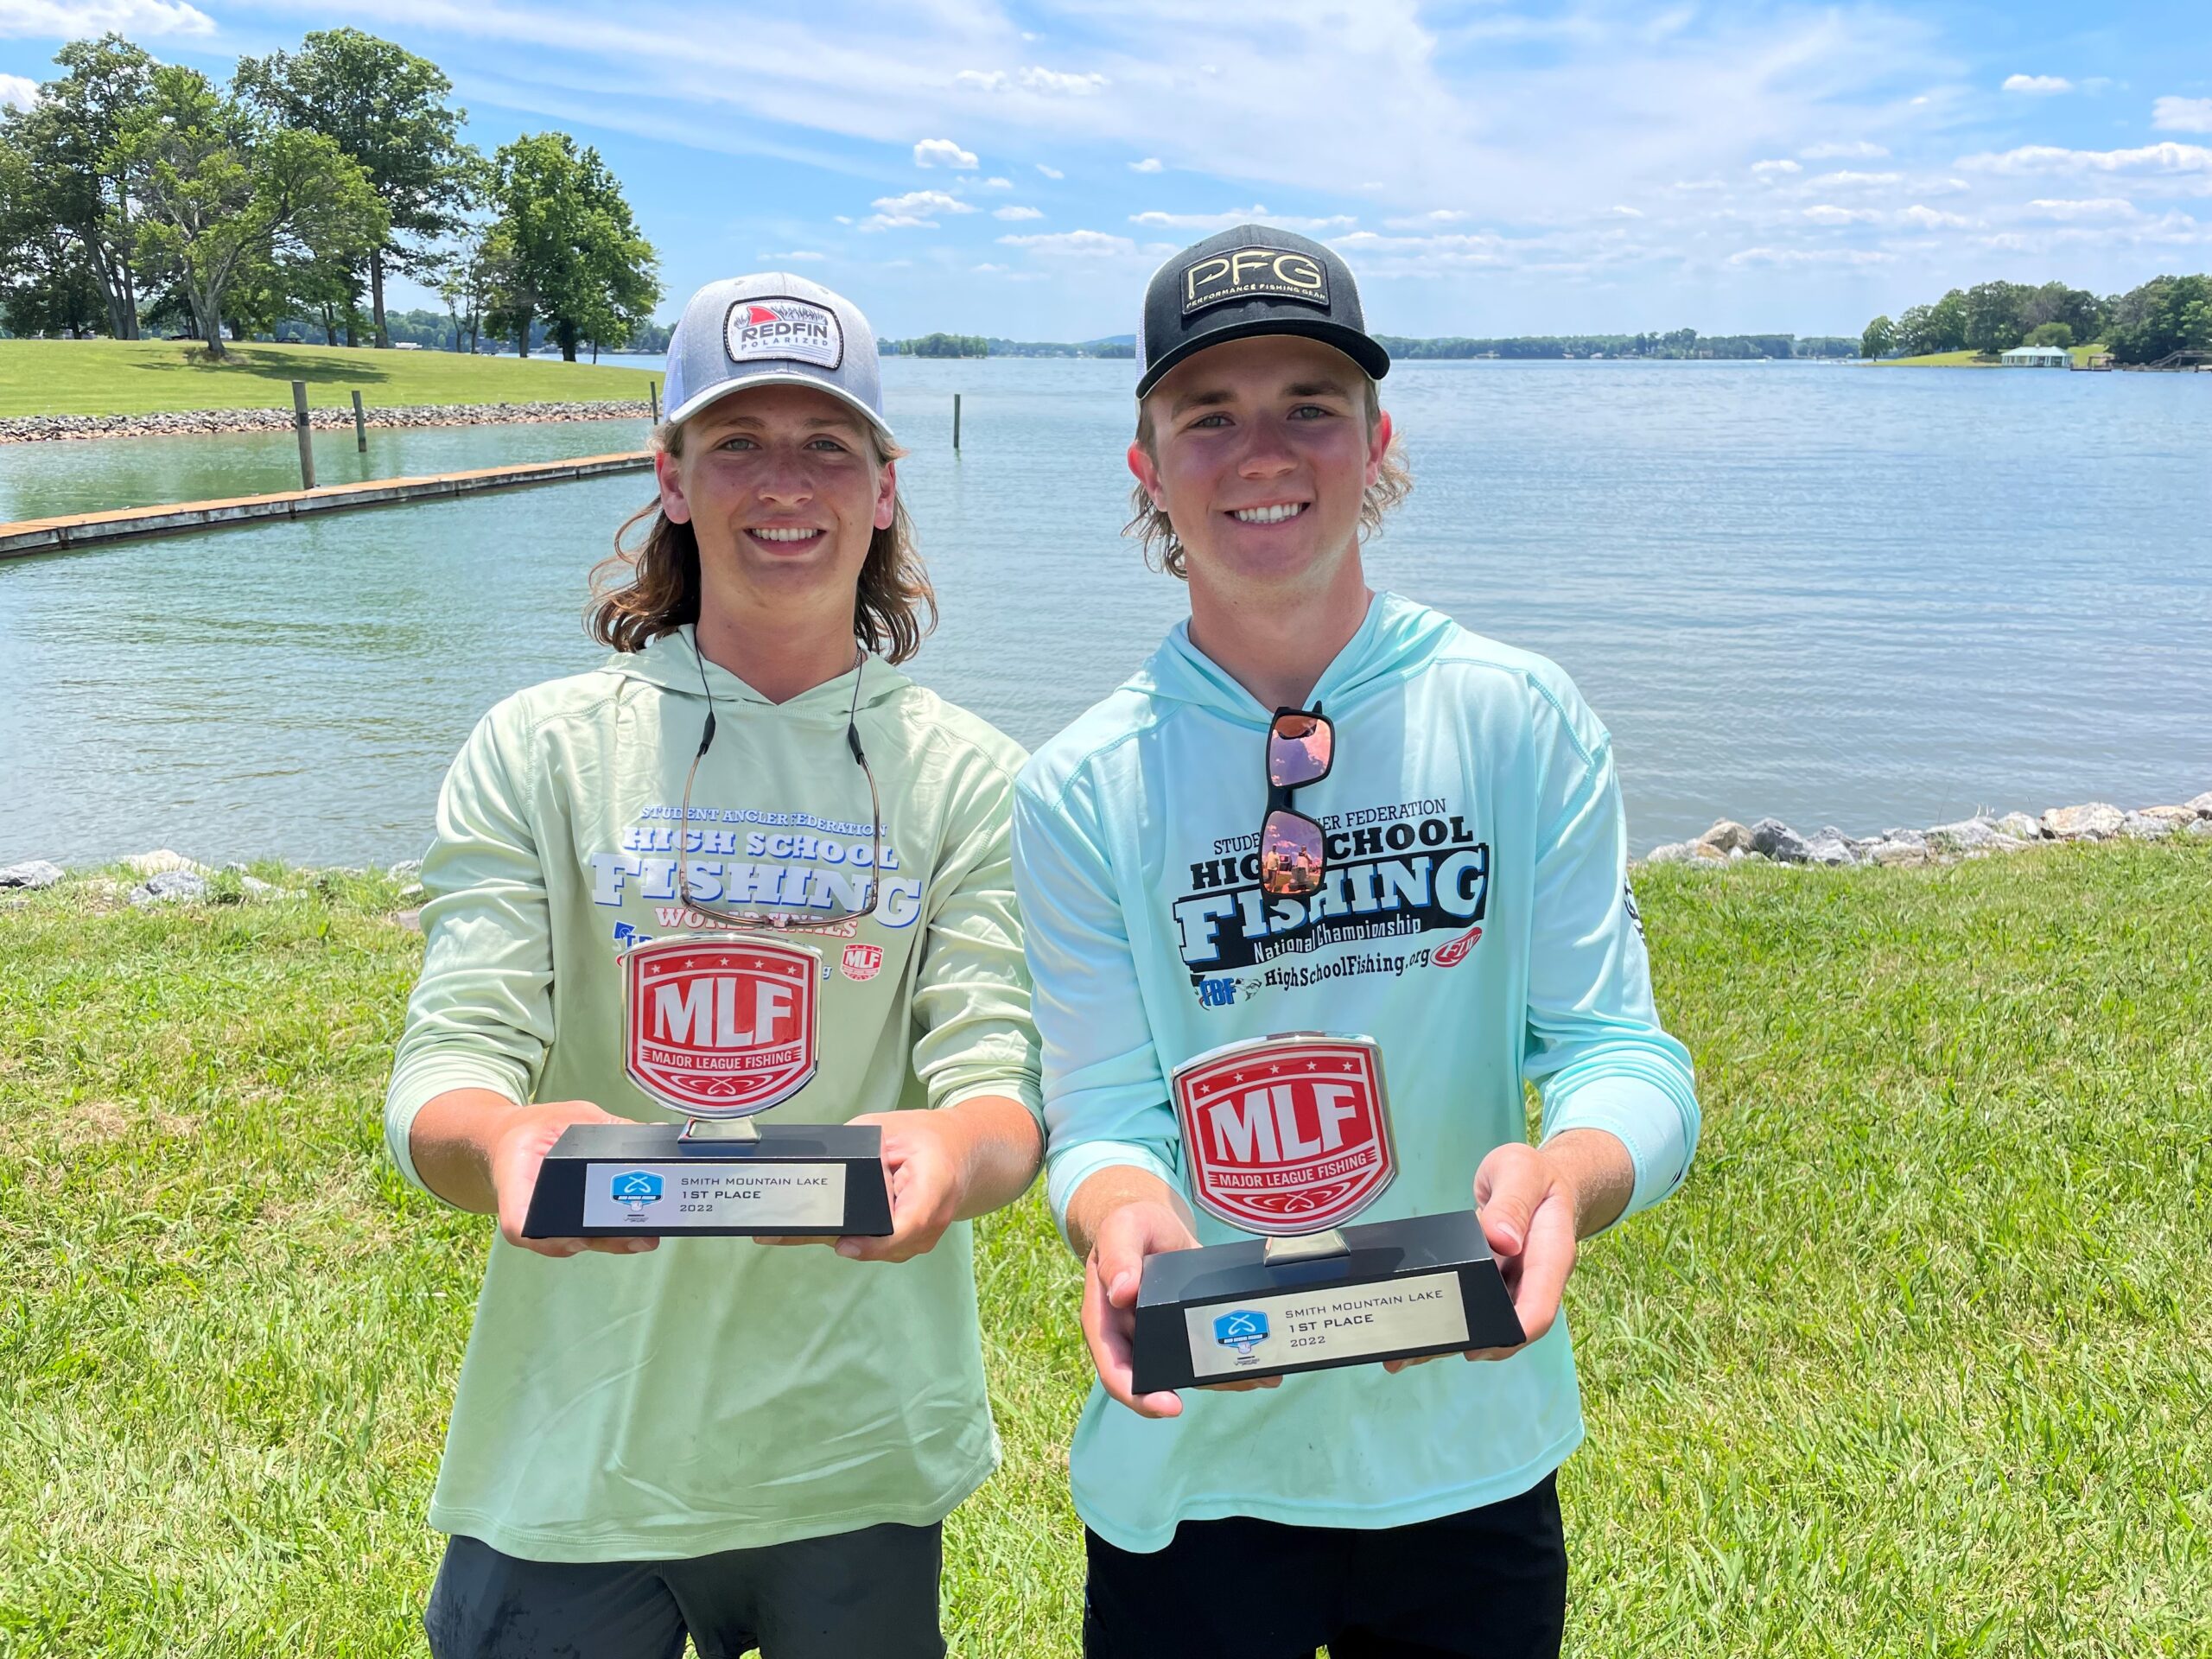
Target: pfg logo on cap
[1254,273]
[794,331]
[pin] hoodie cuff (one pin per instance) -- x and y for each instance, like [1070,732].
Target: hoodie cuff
[1066,1171]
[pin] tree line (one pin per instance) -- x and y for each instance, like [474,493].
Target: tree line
[2165,314]
[1674,343]
[139,196]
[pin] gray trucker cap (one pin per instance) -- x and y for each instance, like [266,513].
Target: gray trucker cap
[769,329]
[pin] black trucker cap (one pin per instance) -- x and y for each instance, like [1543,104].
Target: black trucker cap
[1251,281]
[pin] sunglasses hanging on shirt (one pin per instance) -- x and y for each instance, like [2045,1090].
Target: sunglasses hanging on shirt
[1301,745]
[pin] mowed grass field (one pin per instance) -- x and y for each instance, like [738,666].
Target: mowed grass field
[140,376]
[1919,1363]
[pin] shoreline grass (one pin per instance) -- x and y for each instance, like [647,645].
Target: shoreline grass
[144,376]
[1915,1365]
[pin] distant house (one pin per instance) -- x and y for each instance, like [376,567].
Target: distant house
[2037,357]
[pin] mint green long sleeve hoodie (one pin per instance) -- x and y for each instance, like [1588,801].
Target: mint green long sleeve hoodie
[716,1394]
[1475,920]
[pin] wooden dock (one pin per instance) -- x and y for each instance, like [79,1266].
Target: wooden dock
[86,529]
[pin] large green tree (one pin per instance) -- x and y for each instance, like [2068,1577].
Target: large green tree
[576,257]
[385,108]
[2165,314]
[46,282]
[1879,340]
[72,139]
[229,201]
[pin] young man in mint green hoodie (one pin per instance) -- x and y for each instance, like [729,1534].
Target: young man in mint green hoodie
[705,1437]
[1471,913]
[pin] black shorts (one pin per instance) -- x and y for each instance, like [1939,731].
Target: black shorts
[871,1591]
[1490,1582]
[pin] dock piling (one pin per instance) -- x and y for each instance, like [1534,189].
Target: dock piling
[652,390]
[360,426]
[300,426]
[955,421]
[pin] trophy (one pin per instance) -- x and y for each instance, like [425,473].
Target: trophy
[1288,1136]
[717,1029]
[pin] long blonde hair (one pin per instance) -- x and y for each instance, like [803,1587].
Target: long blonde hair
[641,592]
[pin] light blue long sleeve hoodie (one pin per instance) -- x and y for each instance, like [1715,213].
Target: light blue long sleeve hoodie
[1472,805]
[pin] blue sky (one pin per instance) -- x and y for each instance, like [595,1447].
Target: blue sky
[1018,169]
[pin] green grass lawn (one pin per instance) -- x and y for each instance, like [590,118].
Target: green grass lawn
[1919,1363]
[139,377]
[1973,359]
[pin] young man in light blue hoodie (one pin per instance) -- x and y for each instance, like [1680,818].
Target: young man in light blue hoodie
[1472,914]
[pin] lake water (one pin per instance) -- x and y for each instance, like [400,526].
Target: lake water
[1834,594]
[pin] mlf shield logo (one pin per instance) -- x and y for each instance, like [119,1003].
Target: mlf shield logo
[860,962]
[794,330]
[1241,1329]
[720,1027]
[1289,1134]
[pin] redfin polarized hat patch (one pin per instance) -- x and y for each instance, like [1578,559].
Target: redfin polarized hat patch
[772,329]
[1252,280]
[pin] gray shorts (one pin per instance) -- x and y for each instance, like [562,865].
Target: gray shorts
[874,1592]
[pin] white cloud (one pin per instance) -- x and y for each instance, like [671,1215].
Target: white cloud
[1049,172]
[1091,243]
[1849,181]
[795,257]
[986,266]
[912,211]
[17,92]
[2092,208]
[998,184]
[2161,159]
[1933,219]
[922,201]
[1627,212]
[2037,85]
[1423,221]
[1049,83]
[1778,169]
[1828,213]
[1018,213]
[933,152]
[2182,115]
[1150,164]
[63,20]
[1857,150]
[1255,214]
[1810,257]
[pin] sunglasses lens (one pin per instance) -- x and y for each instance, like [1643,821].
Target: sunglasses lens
[1298,750]
[1290,855]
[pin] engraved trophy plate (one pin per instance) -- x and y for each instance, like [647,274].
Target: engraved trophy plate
[1288,1137]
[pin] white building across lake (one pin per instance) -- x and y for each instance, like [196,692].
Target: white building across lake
[2037,357]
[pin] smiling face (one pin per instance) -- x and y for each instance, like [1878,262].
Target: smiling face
[1260,451]
[783,488]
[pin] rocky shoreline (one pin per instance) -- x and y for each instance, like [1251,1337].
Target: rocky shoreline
[1771,841]
[166,877]
[65,429]
[169,878]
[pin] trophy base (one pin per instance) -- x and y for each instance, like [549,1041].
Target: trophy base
[1395,1290]
[701,1181]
